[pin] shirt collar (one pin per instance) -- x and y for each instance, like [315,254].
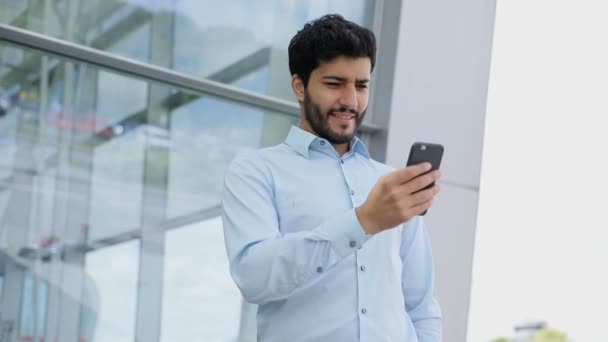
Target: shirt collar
[300,140]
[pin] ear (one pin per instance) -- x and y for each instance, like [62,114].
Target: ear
[297,85]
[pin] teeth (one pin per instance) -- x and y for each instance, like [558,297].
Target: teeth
[343,116]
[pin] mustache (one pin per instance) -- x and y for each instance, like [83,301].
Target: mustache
[344,109]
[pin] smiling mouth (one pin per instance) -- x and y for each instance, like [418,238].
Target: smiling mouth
[343,116]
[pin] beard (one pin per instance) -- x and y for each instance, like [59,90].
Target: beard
[319,122]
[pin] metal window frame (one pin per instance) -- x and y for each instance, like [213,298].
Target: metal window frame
[387,22]
[149,72]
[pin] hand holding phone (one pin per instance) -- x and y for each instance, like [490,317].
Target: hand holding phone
[400,195]
[421,152]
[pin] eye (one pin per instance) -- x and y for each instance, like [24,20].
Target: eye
[362,86]
[332,84]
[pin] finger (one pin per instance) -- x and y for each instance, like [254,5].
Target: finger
[422,181]
[406,174]
[423,196]
[408,201]
[422,207]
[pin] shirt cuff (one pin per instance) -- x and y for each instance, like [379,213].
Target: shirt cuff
[345,233]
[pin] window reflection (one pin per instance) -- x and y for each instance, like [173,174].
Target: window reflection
[114,271]
[200,301]
[32,308]
[221,43]
[75,153]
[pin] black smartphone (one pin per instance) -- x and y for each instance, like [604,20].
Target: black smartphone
[426,152]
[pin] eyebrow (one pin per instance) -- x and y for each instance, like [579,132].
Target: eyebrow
[343,79]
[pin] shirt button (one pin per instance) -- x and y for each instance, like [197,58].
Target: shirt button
[319,269]
[322,142]
[352,192]
[362,268]
[364,311]
[342,161]
[352,244]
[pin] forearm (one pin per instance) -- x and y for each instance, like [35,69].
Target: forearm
[418,282]
[272,268]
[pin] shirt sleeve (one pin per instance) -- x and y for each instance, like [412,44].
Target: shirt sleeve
[417,281]
[264,264]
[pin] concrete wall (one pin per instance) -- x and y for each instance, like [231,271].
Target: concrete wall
[439,95]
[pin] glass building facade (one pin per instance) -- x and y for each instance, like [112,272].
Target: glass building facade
[117,122]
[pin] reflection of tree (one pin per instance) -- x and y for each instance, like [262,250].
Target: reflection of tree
[201,143]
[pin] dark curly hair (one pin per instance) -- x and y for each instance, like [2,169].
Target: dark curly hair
[326,38]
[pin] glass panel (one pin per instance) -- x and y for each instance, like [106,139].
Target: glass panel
[113,272]
[3,256]
[116,187]
[194,294]
[3,198]
[196,37]
[76,193]
[129,96]
[33,312]
[70,167]
[8,124]
[206,134]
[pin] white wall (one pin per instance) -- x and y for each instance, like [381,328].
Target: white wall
[439,95]
[543,230]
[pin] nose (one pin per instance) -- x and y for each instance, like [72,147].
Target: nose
[348,97]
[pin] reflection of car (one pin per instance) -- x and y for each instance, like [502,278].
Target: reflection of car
[57,116]
[17,98]
[29,313]
[4,105]
[6,100]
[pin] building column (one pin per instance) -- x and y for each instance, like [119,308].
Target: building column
[431,86]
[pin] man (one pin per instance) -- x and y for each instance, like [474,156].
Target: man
[326,240]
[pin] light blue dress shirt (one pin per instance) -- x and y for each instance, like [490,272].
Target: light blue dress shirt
[297,249]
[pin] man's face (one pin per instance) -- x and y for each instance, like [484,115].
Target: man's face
[335,100]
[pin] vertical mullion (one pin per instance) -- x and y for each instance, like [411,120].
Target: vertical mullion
[155,181]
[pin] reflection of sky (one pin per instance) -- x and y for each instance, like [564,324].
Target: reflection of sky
[114,272]
[116,185]
[46,207]
[135,45]
[8,126]
[200,301]
[205,136]
[118,97]
[11,10]
[208,38]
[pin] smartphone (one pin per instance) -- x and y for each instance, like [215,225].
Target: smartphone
[426,152]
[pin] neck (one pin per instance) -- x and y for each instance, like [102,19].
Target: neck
[340,148]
